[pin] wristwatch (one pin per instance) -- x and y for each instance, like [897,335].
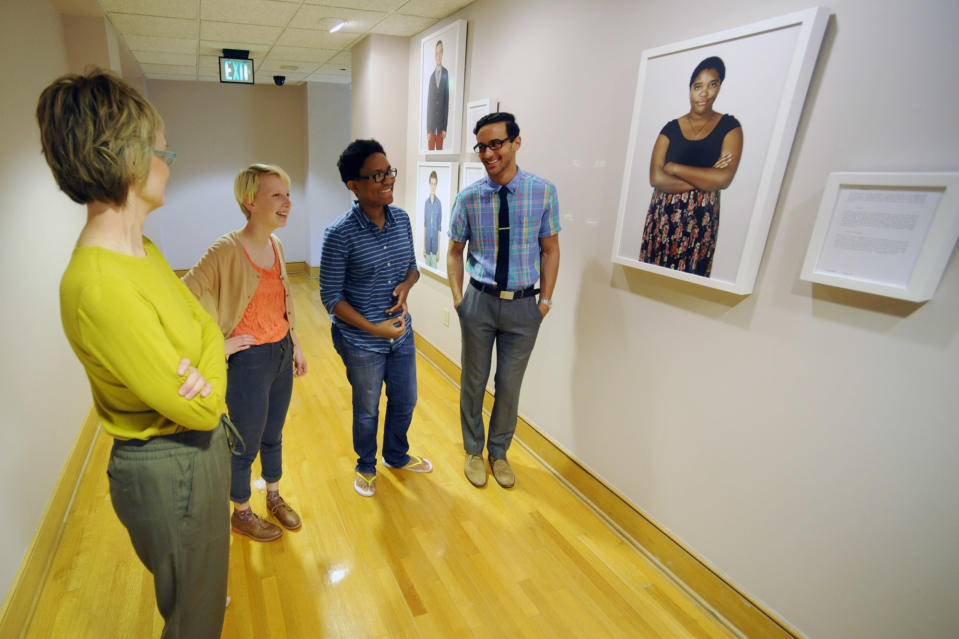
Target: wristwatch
[547,301]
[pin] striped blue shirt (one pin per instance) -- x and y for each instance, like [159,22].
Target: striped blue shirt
[533,214]
[362,265]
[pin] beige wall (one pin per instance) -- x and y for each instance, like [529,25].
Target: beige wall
[217,130]
[329,131]
[44,395]
[803,440]
[380,69]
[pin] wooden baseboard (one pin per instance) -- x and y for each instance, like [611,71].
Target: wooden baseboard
[22,598]
[314,272]
[690,570]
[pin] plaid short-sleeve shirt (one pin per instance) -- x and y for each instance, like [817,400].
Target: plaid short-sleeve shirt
[533,214]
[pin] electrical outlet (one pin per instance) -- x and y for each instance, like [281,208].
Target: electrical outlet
[446,317]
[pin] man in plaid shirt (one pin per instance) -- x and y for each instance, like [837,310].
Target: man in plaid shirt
[508,223]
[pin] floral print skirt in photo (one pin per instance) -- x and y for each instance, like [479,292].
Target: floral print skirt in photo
[680,231]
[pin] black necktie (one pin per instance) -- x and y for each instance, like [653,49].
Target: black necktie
[502,251]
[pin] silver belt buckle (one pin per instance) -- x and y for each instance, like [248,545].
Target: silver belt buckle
[507,295]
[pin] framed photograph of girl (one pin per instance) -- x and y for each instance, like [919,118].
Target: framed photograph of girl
[714,121]
[442,69]
[435,189]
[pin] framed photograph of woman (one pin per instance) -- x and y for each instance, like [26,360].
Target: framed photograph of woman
[713,125]
[435,188]
[442,69]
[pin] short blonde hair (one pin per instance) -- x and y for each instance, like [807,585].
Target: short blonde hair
[98,134]
[247,183]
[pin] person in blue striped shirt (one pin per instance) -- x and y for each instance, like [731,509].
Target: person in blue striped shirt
[366,272]
[510,220]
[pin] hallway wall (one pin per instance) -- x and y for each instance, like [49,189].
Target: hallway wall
[801,439]
[44,395]
[216,131]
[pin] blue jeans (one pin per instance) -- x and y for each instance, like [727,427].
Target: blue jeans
[258,391]
[367,371]
[511,326]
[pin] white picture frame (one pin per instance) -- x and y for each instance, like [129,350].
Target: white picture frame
[472,171]
[769,65]
[888,234]
[450,83]
[426,233]
[475,109]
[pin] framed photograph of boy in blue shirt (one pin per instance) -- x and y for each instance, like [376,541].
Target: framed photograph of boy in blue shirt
[442,69]
[731,103]
[435,189]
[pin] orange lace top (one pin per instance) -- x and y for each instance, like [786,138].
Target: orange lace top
[265,315]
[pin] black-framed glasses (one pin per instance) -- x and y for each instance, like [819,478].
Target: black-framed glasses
[169,157]
[494,145]
[379,176]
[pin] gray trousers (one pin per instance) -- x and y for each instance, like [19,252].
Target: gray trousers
[510,325]
[172,495]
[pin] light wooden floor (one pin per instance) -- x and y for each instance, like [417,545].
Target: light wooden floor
[428,556]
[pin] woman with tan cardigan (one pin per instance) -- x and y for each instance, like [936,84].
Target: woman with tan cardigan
[242,282]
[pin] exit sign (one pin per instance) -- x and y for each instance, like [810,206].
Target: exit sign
[234,70]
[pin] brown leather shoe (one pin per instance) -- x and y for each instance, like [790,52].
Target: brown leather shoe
[255,528]
[503,472]
[284,514]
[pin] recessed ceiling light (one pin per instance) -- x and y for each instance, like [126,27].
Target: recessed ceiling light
[339,25]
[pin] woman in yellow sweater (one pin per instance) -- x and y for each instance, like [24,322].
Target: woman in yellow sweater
[153,356]
[242,281]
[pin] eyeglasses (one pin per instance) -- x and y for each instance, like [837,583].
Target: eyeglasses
[494,145]
[379,176]
[169,157]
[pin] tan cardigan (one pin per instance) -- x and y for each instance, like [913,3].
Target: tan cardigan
[224,281]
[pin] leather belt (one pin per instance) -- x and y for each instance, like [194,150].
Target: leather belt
[492,289]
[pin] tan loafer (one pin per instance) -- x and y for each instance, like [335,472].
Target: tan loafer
[502,472]
[475,470]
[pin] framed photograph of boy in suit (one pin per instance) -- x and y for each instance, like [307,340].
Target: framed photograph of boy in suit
[442,69]
[435,189]
[731,103]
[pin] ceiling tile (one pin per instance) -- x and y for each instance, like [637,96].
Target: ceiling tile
[166,36]
[397,25]
[246,33]
[262,12]
[433,8]
[165,45]
[151,26]
[301,54]
[342,59]
[330,73]
[167,8]
[332,78]
[315,16]
[156,57]
[168,69]
[316,39]
[366,5]
[210,64]
[215,48]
